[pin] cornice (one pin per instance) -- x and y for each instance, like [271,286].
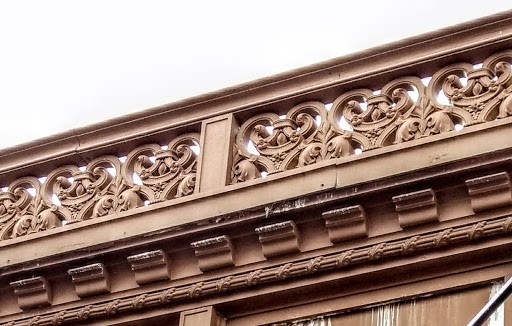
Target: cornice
[420,55]
[286,204]
[443,239]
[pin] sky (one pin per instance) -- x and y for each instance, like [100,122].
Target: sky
[66,64]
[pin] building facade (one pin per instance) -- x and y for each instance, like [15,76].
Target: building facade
[372,189]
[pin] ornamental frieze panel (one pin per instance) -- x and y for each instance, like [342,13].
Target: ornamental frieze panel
[403,110]
[106,185]
[483,92]
[302,137]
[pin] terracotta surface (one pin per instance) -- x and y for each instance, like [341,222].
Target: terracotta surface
[342,193]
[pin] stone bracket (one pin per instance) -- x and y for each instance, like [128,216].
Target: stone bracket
[347,223]
[490,191]
[214,253]
[90,279]
[278,239]
[416,208]
[151,266]
[32,292]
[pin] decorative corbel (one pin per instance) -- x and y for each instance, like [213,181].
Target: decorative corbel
[278,239]
[490,191]
[416,208]
[32,292]
[151,266]
[90,280]
[214,253]
[347,223]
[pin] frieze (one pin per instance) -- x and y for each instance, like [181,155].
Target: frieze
[403,110]
[149,174]
[351,257]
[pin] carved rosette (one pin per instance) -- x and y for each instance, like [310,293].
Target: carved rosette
[485,95]
[284,143]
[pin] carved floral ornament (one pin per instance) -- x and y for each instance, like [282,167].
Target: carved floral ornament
[104,186]
[310,133]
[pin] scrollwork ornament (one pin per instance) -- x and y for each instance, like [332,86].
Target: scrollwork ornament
[483,93]
[113,307]
[345,258]
[22,213]
[103,187]
[164,173]
[83,194]
[84,313]
[196,290]
[254,277]
[302,137]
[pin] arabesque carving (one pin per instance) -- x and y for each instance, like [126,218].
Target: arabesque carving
[103,187]
[485,95]
[392,116]
[285,143]
[22,213]
[375,119]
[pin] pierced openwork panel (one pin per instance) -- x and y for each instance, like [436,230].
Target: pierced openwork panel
[403,110]
[150,173]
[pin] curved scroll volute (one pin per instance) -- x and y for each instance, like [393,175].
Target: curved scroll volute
[186,164]
[32,214]
[8,214]
[416,118]
[348,106]
[479,99]
[16,203]
[376,125]
[186,157]
[305,116]
[323,140]
[305,136]
[500,64]
[137,162]
[247,165]
[79,191]
[244,169]
[57,183]
[160,170]
[107,187]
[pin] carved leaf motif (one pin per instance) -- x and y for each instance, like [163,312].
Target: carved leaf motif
[294,141]
[244,170]
[92,191]
[482,96]
[165,173]
[186,186]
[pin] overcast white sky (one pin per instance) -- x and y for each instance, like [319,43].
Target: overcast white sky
[65,64]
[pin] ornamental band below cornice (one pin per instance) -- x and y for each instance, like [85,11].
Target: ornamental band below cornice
[356,256]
